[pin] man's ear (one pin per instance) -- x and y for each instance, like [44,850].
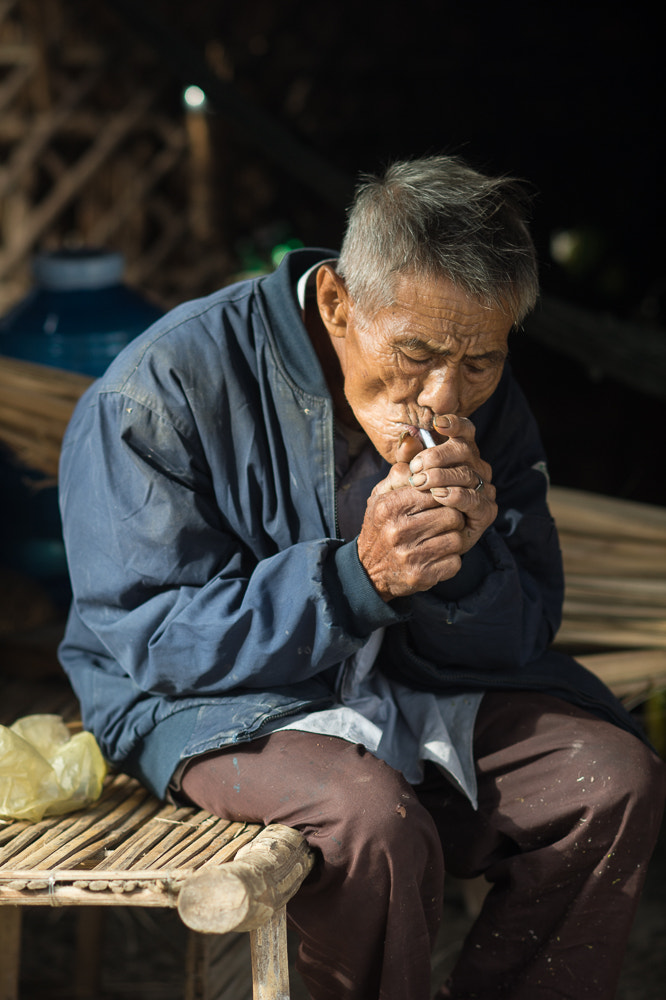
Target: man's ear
[332,300]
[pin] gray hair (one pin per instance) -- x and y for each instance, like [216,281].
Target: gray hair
[433,217]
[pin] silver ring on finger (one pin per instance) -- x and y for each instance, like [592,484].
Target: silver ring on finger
[480,485]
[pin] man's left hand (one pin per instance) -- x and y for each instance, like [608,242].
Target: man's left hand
[455,475]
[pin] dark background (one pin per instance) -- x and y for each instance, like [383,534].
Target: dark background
[568,97]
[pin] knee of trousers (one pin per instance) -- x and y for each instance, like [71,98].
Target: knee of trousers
[623,783]
[374,817]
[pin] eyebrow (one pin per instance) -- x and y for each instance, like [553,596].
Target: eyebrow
[415,343]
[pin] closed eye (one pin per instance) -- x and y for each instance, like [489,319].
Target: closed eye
[407,361]
[476,369]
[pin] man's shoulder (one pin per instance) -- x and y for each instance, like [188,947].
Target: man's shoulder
[195,337]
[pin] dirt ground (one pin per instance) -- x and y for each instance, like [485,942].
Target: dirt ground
[144,952]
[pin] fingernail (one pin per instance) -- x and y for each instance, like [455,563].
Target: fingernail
[416,464]
[442,422]
[418,480]
[440,492]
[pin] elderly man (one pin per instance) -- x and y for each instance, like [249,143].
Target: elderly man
[315,581]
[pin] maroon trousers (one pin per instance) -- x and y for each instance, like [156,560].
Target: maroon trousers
[569,811]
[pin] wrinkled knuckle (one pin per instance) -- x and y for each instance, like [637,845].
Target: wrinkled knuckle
[392,533]
[459,496]
[456,542]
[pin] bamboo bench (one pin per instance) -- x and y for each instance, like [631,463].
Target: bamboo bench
[129,849]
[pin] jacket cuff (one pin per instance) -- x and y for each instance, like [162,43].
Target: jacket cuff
[361,607]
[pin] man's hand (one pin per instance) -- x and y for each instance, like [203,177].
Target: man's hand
[408,542]
[457,477]
[422,518]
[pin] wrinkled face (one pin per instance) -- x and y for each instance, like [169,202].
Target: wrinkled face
[434,351]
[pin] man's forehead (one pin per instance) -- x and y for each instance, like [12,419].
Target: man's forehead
[435,306]
[444,333]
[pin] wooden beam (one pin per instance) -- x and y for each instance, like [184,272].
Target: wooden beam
[270,961]
[10,952]
[112,133]
[248,891]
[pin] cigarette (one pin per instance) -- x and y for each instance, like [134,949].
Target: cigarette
[427,438]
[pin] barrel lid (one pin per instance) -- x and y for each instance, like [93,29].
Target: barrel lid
[71,270]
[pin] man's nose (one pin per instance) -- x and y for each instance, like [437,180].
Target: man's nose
[441,391]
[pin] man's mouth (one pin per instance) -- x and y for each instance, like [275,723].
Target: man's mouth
[410,431]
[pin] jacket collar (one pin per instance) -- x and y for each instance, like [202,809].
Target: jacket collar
[285,328]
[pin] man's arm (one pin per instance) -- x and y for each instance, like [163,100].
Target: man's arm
[182,604]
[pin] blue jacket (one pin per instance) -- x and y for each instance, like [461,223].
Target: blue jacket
[211,593]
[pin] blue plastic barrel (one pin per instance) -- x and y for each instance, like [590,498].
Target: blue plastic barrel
[78,316]
[79,313]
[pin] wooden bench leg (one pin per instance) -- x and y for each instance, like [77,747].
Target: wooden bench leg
[270,962]
[10,951]
[89,938]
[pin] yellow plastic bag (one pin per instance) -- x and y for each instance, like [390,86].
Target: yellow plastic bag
[44,771]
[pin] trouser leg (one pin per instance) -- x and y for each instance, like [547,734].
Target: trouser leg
[368,914]
[569,812]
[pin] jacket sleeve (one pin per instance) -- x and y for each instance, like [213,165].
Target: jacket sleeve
[164,588]
[503,608]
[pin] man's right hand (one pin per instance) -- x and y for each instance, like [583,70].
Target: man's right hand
[408,541]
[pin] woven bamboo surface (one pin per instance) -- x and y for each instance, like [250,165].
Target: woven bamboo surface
[127,849]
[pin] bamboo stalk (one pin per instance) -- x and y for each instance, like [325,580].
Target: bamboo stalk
[618,558]
[606,609]
[627,590]
[644,664]
[31,424]
[16,404]
[606,634]
[36,404]
[31,376]
[593,515]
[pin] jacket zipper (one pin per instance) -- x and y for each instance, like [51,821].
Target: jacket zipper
[311,706]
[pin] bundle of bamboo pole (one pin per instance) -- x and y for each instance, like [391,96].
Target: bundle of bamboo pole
[36,403]
[614,555]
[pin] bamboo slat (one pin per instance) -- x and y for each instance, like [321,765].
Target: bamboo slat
[614,555]
[117,846]
[643,667]
[597,516]
[30,377]
[597,634]
[36,404]
[626,590]
[618,557]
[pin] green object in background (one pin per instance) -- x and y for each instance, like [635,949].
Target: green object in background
[279,251]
